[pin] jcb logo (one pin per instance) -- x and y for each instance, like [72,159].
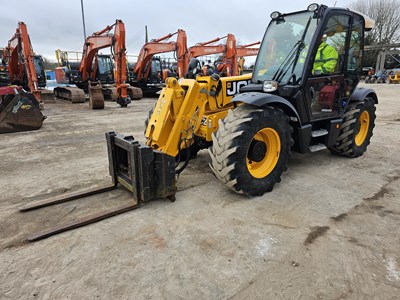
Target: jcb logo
[233,87]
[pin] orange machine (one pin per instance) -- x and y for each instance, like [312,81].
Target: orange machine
[89,68]
[244,50]
[156,46]
[229,64]
[228,49]
[20,110]
[24,67]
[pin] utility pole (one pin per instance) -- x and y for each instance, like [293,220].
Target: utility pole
[83,21]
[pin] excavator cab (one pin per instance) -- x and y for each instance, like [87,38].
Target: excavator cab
[4,76]
[156,71]
[153,82]
[105,69]
[40,72]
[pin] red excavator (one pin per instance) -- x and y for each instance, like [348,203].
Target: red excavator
[96,69]
[67,73]
[229,64]
[24,67]
[147,72]
[232,61]
[245,50]
[20,110]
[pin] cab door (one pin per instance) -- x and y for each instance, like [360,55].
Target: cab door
[326,86]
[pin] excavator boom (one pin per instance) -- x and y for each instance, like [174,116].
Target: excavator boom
[157,46]
[245,50]
[228,50]
[19,110]
[88,68]
[97,41]
[20,58]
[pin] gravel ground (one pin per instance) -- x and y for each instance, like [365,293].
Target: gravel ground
[329,230]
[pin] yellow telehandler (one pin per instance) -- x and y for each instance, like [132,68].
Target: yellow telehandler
[297,99]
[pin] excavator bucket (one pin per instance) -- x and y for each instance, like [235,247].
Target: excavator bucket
[96,97]
[19,111]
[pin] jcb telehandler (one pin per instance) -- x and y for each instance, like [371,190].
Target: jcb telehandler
[251,124]
[287,105]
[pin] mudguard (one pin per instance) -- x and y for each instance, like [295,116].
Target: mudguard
[361,93]
[261,99]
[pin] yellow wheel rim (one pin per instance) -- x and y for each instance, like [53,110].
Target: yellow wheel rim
[262,168]
[363,128]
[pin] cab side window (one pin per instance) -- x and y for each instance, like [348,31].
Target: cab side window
[354,62]
[330,55]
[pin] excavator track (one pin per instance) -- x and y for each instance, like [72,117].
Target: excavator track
[47,96]
[135,93]
[110,93]
[73,94]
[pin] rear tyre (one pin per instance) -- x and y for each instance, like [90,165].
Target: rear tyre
[357,129]
[251,149]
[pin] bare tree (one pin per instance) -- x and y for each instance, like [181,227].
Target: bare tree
[387,20]
[48,64]
[387,24]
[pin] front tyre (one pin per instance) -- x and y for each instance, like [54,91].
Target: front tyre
[251,149]
[357,129]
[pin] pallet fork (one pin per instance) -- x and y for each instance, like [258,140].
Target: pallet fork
[147,173]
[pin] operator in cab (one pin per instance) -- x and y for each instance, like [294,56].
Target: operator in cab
[326,57]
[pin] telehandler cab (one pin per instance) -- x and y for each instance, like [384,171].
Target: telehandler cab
[291,102]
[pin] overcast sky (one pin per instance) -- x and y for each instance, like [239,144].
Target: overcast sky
[55,24]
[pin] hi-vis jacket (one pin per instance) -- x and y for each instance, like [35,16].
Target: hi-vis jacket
[326,59]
